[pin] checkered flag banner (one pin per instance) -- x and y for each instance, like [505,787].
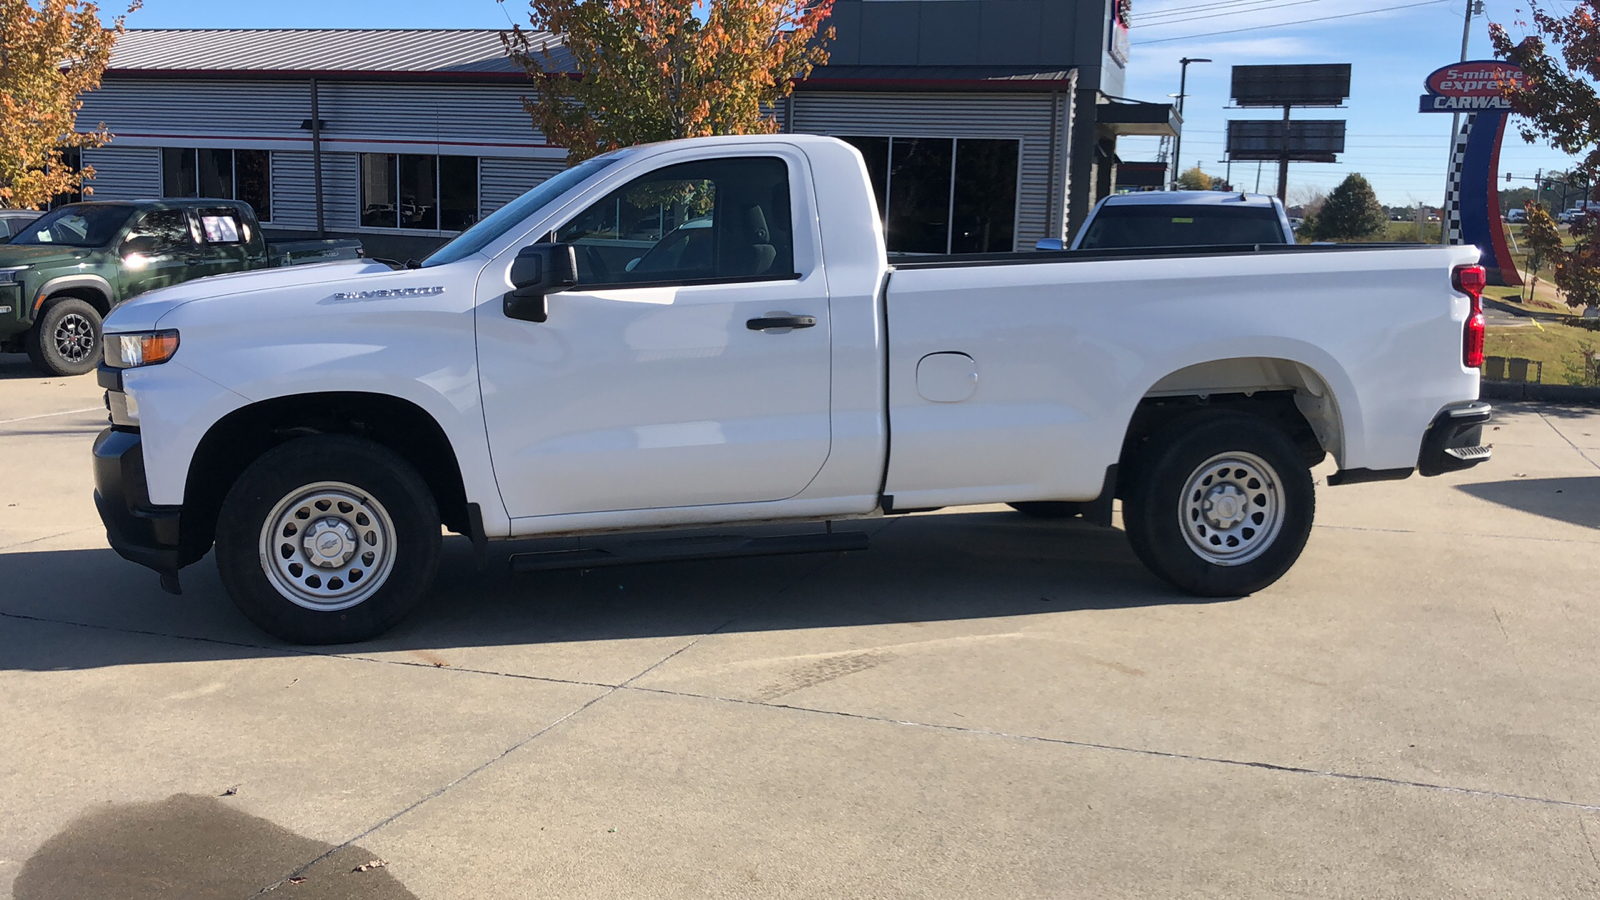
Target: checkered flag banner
[1452,188]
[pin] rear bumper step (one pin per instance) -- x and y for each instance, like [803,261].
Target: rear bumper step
[675,549]
[1455,440]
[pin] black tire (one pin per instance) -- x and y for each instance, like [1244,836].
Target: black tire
[402,511]
[1163,515]
[66,339]
[1047,509]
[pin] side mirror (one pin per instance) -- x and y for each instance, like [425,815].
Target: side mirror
[538,271]
[142,244]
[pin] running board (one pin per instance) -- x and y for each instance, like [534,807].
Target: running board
[673,549]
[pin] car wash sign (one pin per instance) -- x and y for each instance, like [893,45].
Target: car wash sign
[1477,86]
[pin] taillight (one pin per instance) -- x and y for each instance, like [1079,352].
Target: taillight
[1471,280]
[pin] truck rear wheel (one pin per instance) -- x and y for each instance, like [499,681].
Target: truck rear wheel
[65,339]
[328,539]
[1220,504]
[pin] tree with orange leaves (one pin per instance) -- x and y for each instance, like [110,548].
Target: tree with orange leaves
[613,73]
[51,53]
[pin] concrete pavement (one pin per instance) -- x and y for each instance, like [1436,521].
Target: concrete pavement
[981,705]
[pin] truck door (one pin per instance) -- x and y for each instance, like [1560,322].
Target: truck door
[158,251]
[690,365]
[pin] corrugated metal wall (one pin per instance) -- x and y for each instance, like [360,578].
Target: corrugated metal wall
[199,107]
[471,113]
[294,201]
[1024,116]
[124,173]
[502,180]
[396,111]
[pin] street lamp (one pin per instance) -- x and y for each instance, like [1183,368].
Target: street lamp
[1177,142]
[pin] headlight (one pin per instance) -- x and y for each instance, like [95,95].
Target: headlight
[142,348]
[12,275]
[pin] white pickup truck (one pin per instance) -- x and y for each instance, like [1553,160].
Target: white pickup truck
[709,334]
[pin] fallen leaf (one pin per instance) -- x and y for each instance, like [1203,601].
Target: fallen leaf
[231,791]
[298,879]
[371,864]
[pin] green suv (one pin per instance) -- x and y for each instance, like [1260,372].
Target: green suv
[62,274]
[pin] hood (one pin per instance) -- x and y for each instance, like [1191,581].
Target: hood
[143,312]
[35,254]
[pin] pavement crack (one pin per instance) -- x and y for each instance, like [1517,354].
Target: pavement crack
[1141,751]
[65,412]
[439,791]
[9,547]
[1467,534]
[1579,450]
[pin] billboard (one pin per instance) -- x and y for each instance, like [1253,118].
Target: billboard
[1315,141]
[1470,87]
[1324,84]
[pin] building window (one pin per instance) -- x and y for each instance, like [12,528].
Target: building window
[426,193]
[944,195]
[221,174]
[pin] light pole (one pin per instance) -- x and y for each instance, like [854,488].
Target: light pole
[1177,142]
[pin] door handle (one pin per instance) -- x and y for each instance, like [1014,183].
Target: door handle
[762,323]
[191,262]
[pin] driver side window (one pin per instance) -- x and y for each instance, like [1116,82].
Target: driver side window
[700,222]
[169,228]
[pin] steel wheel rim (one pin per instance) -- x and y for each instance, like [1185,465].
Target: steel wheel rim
[1231,508]
[327,546]
[74,337]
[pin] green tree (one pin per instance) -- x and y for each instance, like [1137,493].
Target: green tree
[51,53]
[655,70]
[1351,212]
[1193,179]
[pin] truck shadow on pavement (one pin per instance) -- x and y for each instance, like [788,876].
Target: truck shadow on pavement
[1574,500]
[924,568]
[196,848]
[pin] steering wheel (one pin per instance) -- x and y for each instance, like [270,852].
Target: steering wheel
[597,263]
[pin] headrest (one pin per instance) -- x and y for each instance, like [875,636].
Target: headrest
[756,222]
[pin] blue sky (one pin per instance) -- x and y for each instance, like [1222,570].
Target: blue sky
[1402,152]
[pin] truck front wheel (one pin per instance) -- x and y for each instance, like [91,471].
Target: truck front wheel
[1220,504]
[328,539]
[65,339]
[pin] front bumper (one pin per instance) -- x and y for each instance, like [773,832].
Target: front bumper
[1455,440]
[138,530]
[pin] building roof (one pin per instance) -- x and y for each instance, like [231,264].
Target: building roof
[471,54]
[432,53]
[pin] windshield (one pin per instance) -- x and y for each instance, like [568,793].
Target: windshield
[1119,227]
[78,225]
[509,216]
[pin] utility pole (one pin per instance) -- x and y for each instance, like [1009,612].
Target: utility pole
[1177,143]
[1283,162]
[1455,119]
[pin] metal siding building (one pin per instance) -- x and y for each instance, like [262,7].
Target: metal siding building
[421,132]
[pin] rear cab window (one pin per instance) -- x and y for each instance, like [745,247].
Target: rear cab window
[1124,227]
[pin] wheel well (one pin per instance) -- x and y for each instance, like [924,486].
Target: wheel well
[96,299]
[242,436]
[1281,408]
